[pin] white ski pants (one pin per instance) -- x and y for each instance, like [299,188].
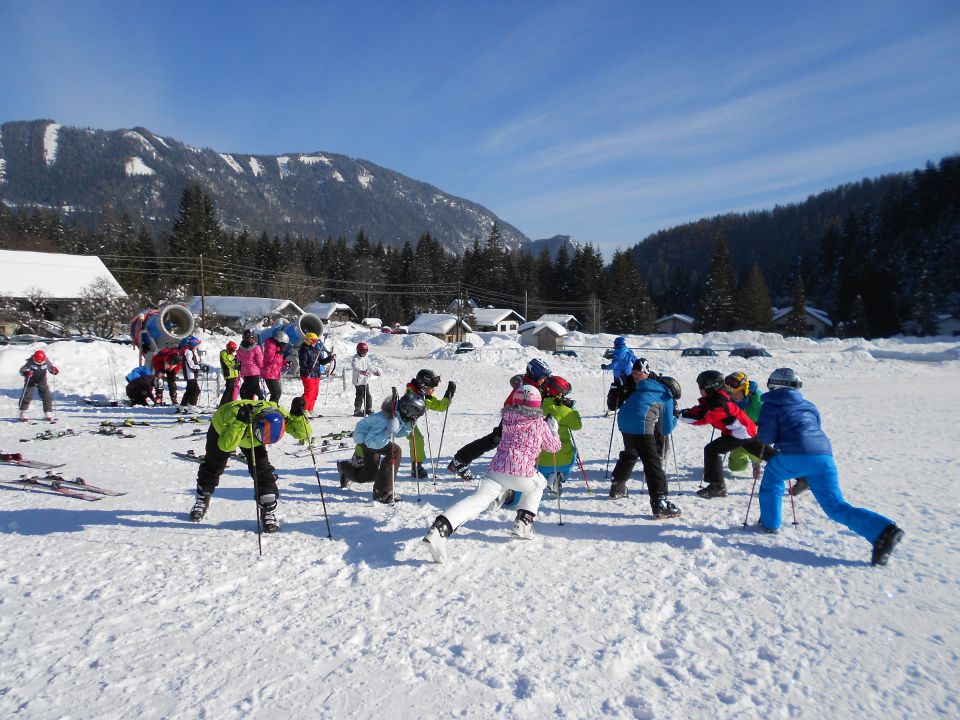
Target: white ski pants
[490,487]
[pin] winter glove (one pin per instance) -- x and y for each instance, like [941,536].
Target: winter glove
[205,368]
[568,402]
[244,413]
[605,366]
[54,370]
[451,389]
[377,373]
[297,406]
[553,425]
[357,459]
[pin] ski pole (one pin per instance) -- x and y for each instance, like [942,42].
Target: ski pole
[613,426]
[413,444]
[676,468]
[443,431]
[556,480]
[576,451]
[26,382]
[793,502]
[750,502]
[256,484]
[320,485]
[433,462]
[703,475]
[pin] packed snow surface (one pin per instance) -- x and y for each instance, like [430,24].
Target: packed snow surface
[122,608]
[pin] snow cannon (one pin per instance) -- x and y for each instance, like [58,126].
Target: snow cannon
[308,322]
[163,328]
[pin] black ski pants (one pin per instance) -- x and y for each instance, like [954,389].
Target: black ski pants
[363,400]
[229,385]
[472,450]
[376,468]
[714,451]
[191,394]
[250,388]
[171,378]
[215,462]
[643,448]
[275,390]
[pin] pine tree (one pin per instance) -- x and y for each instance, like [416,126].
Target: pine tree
[717,308]
[196,230]
[796,325]
[754,311]
[629,309]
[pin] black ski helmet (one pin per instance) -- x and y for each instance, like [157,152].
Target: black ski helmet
[411,406]
[710,380]
[516,381]
[672,385]
[784,377]
[427,378]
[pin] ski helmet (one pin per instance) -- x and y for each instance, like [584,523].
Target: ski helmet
[427,378]
[737,381]
[248,334]
[231,346]
[672,385]
[280,336]
[526,396]
[641,365]
[411,406]
[362,349]
[40,356]
[556,386]
[310,338]
[269,426]
[784,377]
[710,380]
[620,342]
[516,381]
[189,342]
[538,370]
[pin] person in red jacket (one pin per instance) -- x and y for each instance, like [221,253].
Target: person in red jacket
[166,364]
[716,408]
[34,372]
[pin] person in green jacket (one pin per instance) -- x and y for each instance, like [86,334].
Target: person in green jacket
[250,425]
[746,394]
[230,367]
[556,466]
[425,384]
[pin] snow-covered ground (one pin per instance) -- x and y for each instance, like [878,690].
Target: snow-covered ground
[122,608]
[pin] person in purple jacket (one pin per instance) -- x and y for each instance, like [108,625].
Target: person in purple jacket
[792,425]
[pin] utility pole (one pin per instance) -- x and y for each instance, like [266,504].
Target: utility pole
[203,301]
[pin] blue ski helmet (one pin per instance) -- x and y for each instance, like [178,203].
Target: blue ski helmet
[189,342]
[269,426]
[538,370]
[620,342]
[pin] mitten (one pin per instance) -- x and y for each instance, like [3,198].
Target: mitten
[451,389]
[244,413]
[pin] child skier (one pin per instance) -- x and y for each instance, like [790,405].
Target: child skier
[250,425]
[274,349]
[793,425]
[166,365]
[556,466]
[736,430]
[191,372]
[621,364]
[526,433]
[140,386]
[312,356]
[360,364]
[377,457]
[537,373]
[230,367]
[250,357]
[645,415]
[746,394]
[424,385]
[34,372]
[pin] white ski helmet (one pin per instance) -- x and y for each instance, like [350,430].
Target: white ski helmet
[784,377]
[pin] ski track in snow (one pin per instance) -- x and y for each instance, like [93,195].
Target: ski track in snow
[122,608]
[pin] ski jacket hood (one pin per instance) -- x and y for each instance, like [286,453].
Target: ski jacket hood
[792,424]
[375,431]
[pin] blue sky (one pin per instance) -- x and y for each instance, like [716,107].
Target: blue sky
[604,120]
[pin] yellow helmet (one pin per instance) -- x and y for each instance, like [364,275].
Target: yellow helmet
[311,337]
[738,381]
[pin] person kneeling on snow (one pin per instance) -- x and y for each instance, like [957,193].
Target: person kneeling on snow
[140,386]
[250,425]
[792,425]
[525,434]
[377,457]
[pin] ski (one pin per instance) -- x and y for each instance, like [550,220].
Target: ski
[127,422]
[51,435]
[17,460]
[112,431]
[40,484]
[198,432]
[77,483]
[319,449]
[193,456]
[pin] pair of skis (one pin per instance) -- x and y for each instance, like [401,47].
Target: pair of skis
[51,435]
[17,459]
[77,488]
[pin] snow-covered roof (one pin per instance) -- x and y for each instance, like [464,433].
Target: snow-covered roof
[455,305]
[58,276]
[325,310]
[243,307]
[815,313]
[678,316]
[537,327]
[435,324]
[562,319]
[490,317]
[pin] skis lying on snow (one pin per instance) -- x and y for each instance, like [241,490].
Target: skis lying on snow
[113,431]
[193,456]
[43,484]
[59,481]
[127,422]
[325,447]
[197,433]
[51,435]
[102,403]
[17,460]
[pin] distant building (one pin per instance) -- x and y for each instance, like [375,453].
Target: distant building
[569,322]
[817,321]
[948,325]
[547,336]
[331,311]
[245,311]
[497,320]
[439,325]
[372,323]
[674,323]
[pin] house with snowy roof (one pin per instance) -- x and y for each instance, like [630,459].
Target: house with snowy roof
[547,336]
[674,323]
[817,322]
[497,320]
[567,321]
[440,325]
[245,311]
[331,311]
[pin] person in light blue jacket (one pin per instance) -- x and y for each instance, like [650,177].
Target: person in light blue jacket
[377,457]
[792,425]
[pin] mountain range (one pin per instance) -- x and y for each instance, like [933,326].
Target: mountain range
[79,172]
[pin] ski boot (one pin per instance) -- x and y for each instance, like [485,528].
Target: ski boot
[663,508]
[48,416]
[23,416]
[618,489]
[713,490]
[460,469]
[523,525]
[800,486]
[769,531]
[200,505]
[387,498]
[268,513]
[419,471]
[885,544]
[436,539]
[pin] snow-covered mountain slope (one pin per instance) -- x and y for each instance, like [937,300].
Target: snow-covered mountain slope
[122,608]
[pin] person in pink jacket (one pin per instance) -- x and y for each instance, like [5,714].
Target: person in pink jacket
[251,363]
[525,435]
[274,361]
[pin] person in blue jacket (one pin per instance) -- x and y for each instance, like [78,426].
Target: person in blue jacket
[377,457]
[646,412]
[792,425]
[621,364]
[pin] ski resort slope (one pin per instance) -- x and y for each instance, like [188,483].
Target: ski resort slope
[122,608]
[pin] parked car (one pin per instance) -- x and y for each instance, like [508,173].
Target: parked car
[29,339]
[568,353]
[464,347]
[698,352]
[4,340]
[749,352]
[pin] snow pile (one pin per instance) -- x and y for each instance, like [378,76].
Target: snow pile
[136,166]
[50,137]
[229,160]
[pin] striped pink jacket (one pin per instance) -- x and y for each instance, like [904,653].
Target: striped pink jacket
[525,435]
